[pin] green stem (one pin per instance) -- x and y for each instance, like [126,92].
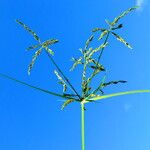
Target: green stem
[82,126]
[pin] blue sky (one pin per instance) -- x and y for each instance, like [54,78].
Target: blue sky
[33,120]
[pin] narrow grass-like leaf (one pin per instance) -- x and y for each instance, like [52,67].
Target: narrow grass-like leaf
[33,87]
[67,102]
[121,40]
[123,14]
[119,94]
[37,53]
[61,81]
[29,30]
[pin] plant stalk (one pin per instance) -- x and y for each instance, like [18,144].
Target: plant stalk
[82,127]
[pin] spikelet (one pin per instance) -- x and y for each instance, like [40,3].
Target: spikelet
[97,49]
[34,47]
[93,95]
[61,81]
[89,41]
[98,29]
[49,51]
[96,64]
[113,82]
[37,53]
[76,62]
[119,38]
[29,30]
[98,67]
[123,14]
[103,34]
[86,52]
[118,27]
[67,102]
[49,42]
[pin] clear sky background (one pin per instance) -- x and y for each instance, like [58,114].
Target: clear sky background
[31,120]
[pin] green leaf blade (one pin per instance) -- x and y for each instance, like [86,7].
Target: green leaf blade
[120,94]
[33,87]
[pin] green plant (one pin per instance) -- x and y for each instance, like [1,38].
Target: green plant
[91,62]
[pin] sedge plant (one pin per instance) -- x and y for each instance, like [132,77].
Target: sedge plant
[90,60]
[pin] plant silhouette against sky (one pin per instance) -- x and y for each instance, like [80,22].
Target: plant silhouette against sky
[90,60]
